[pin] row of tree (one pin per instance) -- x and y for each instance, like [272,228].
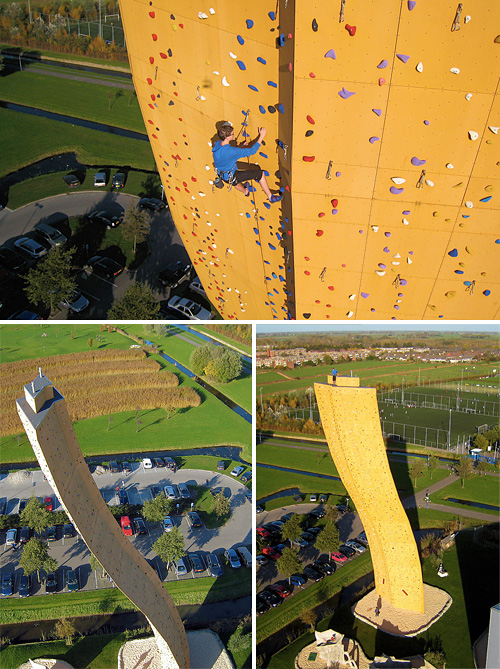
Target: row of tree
[217,363]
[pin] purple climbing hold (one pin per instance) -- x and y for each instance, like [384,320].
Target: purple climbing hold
[400,295]
[241,65]
[396,306]
[338,174]
[387,234]
[240,40]
[383,64]
[365,295]
[396,191]
[382,266]
[249,23]
[403,282]
[453,253]
[406,212]
[411,4]
[402,57]
[386,249]
[486,199]
[335,211]
[331,54]
[377,111]
[345,94]
[427,122]
[372,140]
[416,161]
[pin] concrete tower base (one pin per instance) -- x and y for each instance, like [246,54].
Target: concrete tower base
[401,622]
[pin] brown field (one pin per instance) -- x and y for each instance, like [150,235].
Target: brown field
[96,383]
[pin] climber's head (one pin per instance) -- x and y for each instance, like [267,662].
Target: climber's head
[225,131]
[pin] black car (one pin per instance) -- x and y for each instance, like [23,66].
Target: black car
[155,490]
[68,530]
[24,537]
[118,180]
[221,465]
[122,497]
[12,261]
[106,219]
[261,606]
[114,467]
[169,462]
[324,567]
[105,266]
[316,513]
[152,203]
[307,536]
[312,573]
[140,525]
[24,586]
[314,531]
[175,273]
[126,468]
[71,180]
[51,533]
[158,462]
[7,584]
[286,517]
[270,598]
[347,551]
[51,583]
[246,476]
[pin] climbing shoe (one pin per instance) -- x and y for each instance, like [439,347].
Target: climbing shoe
[275,198]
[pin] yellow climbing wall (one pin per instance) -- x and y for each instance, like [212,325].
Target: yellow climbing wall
[350,419]
[390,173]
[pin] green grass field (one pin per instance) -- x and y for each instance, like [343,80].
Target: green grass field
[244,348]
[483,489]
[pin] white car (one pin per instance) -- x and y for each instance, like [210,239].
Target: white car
[99,179]
[167,523]
[194,311]
[169,492]
[76,302]
[197,287]
[30,247]
[237,471]
[146,463]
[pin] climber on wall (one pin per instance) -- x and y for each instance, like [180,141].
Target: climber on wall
[225,157]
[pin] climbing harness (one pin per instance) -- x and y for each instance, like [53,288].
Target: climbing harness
[342,5]
[328,171]
[456,23]
[420,182]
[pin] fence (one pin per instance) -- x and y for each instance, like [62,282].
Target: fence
[463,405]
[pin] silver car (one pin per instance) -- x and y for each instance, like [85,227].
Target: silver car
[50,234]
[30,247]
[76,302]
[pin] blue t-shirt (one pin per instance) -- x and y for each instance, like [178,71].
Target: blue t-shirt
[225,157]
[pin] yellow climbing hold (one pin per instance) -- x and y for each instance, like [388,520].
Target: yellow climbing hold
[468,251]
[489,189]
[435,214]
[450,293]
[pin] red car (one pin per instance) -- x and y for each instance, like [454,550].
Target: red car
[49,504]
[280,590]
[126,526]
[338,557]
[271,553]
[262,532]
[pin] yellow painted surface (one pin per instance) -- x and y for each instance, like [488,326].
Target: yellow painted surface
[350,419]
[305,257]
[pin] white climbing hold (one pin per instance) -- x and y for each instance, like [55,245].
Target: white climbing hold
[211,10]
[379,272]
[375,228]
[224,81]
[233,55]
[429,183]
[469,204]
[201,194]
[201,15]
[397,255]
[230,251]
[454,70]
[202,97]
[420,67]
[398,301]
[215,72]
[473,135]
[449,166]
[409,261]
[350,314]
[494,129]
[353,296]
[468,96]
[467,18]
[405,222]
[398,180]
[396,262]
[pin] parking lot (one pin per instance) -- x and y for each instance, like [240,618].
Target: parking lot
[72,553]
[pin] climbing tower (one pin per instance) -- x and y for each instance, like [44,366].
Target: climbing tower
[45,418]
[350,419]
[382,120]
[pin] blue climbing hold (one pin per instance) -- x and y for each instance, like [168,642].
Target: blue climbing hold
[266,173]
[281,278]
[453,253]
[465,215]
[486,292]
[273,248]
[263,154]
[248,215]
[240,40]
[458,271]
[256,230]
[497,241]
[267,205]
[274,275]
[258,243]
[272,83]
[278,236]
[262,109]
[252,88]
[486,199]
[281,109]
[272,16]
[249,23]
[241,65]
[467,283]
[261,60]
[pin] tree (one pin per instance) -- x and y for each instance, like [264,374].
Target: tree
[291,530]
[157,508]
[417,469]
[35,515]
[222,505]
[110,94]
[64,629]
[138,303]
[328,539]
[225,366]
[308,617]
[36,556]
[50,282]
[135,225]
[432,464]
[170,546]
[465,469]
[200,358]
[482,466]
[332,513]
[289,563]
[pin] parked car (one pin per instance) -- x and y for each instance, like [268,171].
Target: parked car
[193,310]
[269,598]
[359,548]
[314,531]
[140,525]
[99,179]
[280,548]
[25,315]
[25,585]
[286,517]
[271,553]
[277,523]
[317,513]
[147,464]
[155,491]
[24,535]
[7,584]
[152,203]
[221,465]
[347,551]
[313,497]
[237,471]
[68,530]
[118,180]
[109,220]
[47,233]
[246,476]
[175,273]
[169,462]
[338,557]
[182,565]
[127,469]
[197,287]
[76,302]
[49,503]
[272,528]
[22,505]
[122,497]
[324,567]
[167,524]
[298,580]
[259,509]
[197,563]
[170,492]
[261,606]
[232,558]
[114,467]
[194,519]
[51,533]
[323,499]
[30,247]
[313,574]
[184,491]
[245,556]
[11,537]
[361,538]
[126,526]
[71,180]
[104,266]
[261,559]
[279,590]
[13,261]
[158,463]
[262,532]
[214,565]
[51,583]
[300,542]
[72,580]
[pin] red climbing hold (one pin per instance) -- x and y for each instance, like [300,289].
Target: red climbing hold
[381,81]
[153,135]
[152,106]
[306,258]
[151,59]
[312,75]
[150,121]
[155,37]
[152,15]
[350,29]
[194,179]
[308,159]
[153,97]
[290,67]
[181,25]
[317,301]
[163,55]
[311,120]
[150,81]
[331,288]
[307,273]
[319,233]
[335,203]
[321,214]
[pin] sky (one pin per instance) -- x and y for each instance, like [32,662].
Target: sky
[459,326]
